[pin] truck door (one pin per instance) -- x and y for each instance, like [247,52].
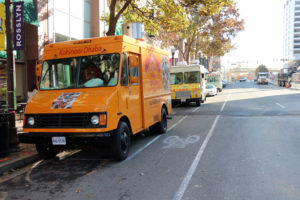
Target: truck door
[130,96]
[135,97]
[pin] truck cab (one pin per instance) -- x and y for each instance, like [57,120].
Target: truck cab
[262,78]
[188,84]
[96,91]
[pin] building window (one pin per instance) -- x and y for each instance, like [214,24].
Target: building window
[71,19]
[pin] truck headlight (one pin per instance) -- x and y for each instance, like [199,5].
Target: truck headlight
[95,119]
[30,121]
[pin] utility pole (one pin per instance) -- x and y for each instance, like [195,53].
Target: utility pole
[11,101]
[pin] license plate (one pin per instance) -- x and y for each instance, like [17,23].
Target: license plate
[59,140]
[183,100]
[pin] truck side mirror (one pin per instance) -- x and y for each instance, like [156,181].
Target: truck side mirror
[202,75]
[38,69]
[134,79]
[132,61]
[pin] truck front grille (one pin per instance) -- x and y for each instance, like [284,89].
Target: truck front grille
[62,120]
[183,94]
[70,120]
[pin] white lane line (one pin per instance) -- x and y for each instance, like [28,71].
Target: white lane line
[195,109]
[179,121]
[189,174]
[142,148]
[224,104]
[281,106]
[153,140]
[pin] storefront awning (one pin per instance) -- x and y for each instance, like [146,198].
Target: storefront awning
[30,15]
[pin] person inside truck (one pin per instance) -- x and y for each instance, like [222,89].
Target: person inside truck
[91,76]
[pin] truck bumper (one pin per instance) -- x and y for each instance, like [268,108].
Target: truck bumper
[186,100]
[72,139]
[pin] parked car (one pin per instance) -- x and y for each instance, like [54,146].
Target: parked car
[211,90]
[243,79]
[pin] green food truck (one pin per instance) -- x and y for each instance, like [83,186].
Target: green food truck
[215,79]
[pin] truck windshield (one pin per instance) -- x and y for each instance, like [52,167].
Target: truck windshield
[80,72]
[176,78]
[191,77]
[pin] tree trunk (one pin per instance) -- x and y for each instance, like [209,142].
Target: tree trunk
[113,17]
[112,27]
[209,64]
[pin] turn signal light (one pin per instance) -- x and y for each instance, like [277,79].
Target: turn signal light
[24,120]
[102,120]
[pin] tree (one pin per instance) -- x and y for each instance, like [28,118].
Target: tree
[122,5]
[195,25]
[157,16]
[217,37]
[261,68]
[167,12]
[204,25]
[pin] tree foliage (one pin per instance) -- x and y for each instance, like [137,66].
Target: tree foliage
[261,68]
[216,39]
[206,26]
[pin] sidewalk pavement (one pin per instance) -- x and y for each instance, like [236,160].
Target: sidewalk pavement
[26,155]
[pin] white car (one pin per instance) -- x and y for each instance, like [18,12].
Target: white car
[211,90]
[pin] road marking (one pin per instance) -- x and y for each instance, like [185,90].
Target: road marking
[281,106]
[224,104]
[179,143]
[142,148]
[27,177]
[195,109]
[179,121]
[188,176]
[153,140]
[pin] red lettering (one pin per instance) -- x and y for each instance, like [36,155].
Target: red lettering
[67,52]
[88,49]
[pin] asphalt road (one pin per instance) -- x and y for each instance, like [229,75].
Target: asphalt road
[243,143]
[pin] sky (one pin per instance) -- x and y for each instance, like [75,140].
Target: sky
[262,40]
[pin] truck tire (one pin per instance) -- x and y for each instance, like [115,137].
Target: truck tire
[162,126]
[198,102]
[46,152]
[121,142]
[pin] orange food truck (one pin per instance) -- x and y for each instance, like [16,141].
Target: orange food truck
[97,90]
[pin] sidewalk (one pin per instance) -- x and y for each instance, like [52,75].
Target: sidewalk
[26,155]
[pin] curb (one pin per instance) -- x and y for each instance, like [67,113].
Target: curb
[17,163]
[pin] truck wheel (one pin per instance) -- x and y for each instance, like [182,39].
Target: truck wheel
[198,102]
[162,126]
[121,142]
[46,151]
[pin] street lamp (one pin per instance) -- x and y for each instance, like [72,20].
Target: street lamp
[173,52]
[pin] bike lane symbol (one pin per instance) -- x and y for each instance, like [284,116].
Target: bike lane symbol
[179,143]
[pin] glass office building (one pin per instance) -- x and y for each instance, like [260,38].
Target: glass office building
[62,20]
[291,40]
